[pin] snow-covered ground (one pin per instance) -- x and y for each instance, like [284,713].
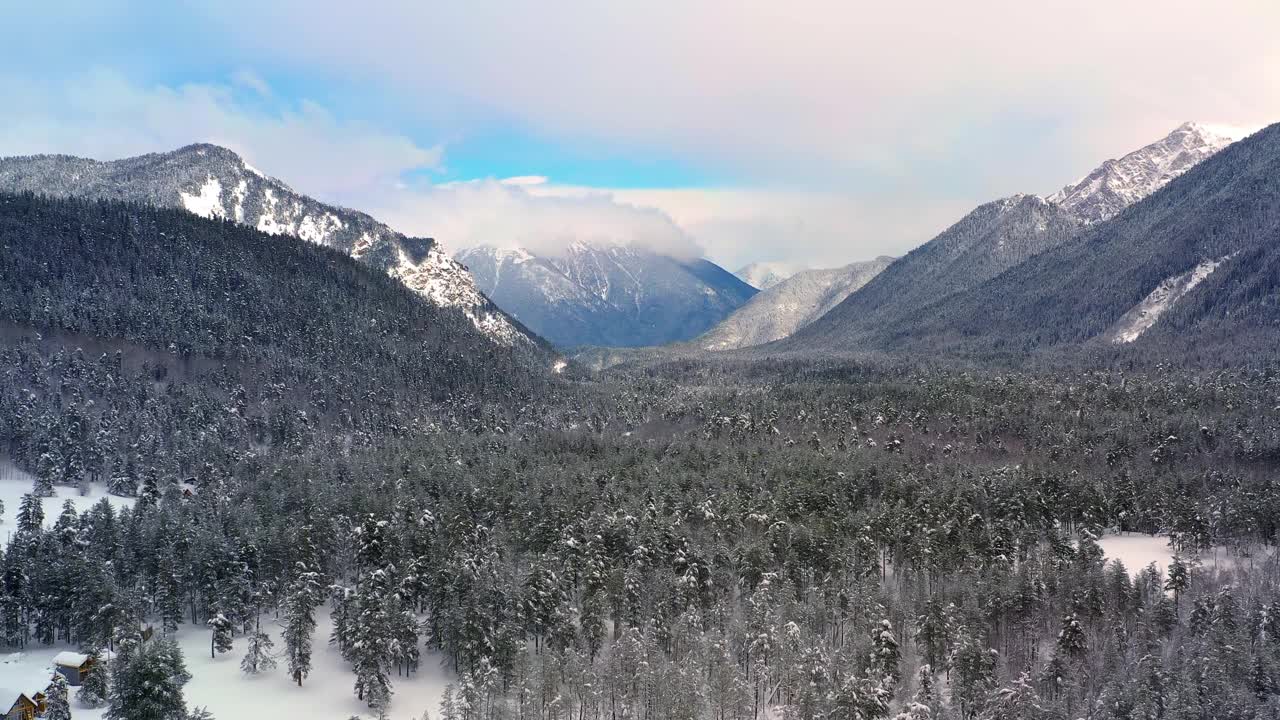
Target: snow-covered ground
[15,483]
[229,694]
[218,683]
[1137,551]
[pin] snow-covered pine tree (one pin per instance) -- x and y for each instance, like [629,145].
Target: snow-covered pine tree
[30,514]
[47,468]
[449,705]
[258,656]
[148,684]
[58,707]
[220,641]
[94,689]
[299,621]
[885,654]
[372,637]
[124,480]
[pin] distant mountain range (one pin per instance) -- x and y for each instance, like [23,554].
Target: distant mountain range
[1140,245]
[607,295]
[789,305]
[1192,264]
[214,182]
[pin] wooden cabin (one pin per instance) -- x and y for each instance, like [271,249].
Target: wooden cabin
[73,666]
[23,705]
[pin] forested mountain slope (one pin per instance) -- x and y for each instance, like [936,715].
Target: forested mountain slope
[214,182]
[190,288]
[986,242]
[1206,242]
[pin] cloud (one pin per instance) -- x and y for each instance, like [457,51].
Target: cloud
[737,226]
[102,114]
[253,81]
[975,99]
[502,214]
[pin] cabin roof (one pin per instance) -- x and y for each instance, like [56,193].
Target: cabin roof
[10,696]
[70,659]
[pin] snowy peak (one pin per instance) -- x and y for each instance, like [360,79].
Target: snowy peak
[764,275]
[215,182]
[1117,184]
[606,295]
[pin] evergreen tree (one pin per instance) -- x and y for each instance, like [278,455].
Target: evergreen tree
[448,705]
[884,654]
[148,684]
[220,640]
[48,470]
[30,514]
[1071,639]
[94,689]
[1017,702]
[299,622]
[58,706]
[258,656]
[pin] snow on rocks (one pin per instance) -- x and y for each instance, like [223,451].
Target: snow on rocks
[1117,184]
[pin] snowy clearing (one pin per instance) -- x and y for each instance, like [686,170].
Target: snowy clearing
[14,483]
[1137,551]
[228,693]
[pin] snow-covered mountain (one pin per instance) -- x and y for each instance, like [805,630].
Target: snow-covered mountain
[764,275]
[790,305]
[215,182]
[1001,235]
[1117,184]
[608,295]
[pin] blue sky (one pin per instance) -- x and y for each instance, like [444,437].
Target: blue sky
[816,132]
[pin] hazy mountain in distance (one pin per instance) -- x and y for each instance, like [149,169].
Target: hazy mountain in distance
[789,305]
[607,295]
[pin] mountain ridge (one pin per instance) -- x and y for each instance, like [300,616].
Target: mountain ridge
[215,182]
[1207,238]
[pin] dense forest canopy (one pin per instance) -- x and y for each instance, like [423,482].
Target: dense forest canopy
[691,539]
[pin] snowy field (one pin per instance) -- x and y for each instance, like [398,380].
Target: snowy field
[15,483]
[219,685]
[1137,551]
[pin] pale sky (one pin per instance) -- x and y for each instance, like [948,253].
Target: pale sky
[814,132]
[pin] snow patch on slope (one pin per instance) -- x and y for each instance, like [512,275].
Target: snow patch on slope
[1142,316]
[208,202]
